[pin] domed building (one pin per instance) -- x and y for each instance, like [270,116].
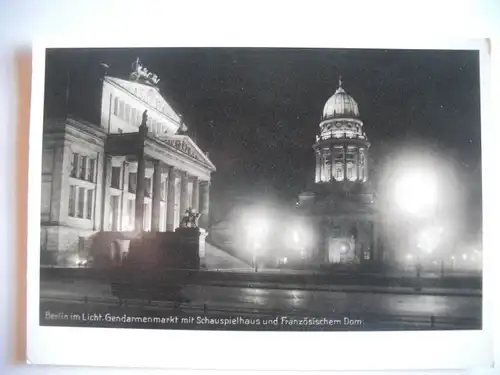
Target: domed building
[338,208]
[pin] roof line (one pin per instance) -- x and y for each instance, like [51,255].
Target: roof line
[143,101]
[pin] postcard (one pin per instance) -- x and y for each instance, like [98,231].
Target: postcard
[309,207]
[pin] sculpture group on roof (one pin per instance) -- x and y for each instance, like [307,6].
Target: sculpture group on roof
[139,72]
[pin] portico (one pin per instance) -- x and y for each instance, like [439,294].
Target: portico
[162,178]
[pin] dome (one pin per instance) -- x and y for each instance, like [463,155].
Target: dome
[340,104]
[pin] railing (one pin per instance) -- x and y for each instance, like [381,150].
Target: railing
[339,135]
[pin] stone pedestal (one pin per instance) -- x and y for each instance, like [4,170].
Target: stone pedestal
[192,243]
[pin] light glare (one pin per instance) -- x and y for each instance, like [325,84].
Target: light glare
[416,192]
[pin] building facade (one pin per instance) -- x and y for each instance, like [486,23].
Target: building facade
[339,207]
[115,175]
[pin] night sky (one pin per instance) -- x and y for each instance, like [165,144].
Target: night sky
[257,111]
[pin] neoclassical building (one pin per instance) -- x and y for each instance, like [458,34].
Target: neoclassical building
[109,175]
[339,206]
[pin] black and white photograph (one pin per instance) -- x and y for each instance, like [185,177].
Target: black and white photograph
[261,189]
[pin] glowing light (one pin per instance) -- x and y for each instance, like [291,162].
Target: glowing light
[256,225]
[464,256]
[429,239]
[416,192]
[343,248]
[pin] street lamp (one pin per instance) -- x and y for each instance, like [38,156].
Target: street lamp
[256,226]
[416,192]
[415,195]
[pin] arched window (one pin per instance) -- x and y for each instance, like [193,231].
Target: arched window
[339,173]
[351,172]
[327,166]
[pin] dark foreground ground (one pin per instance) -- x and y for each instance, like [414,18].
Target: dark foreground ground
[87,303]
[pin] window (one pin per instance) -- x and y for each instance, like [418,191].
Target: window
[132,182]
[115,111]
[127,113]
[122,109]
[90,203]
[72,200]
[74,165]
[338,175]
[133,117]
[147,216]
[115,177]
[163,192]
[130,211]
[113,212]
[83,167]
[81,202]
[147,187]
[91,175]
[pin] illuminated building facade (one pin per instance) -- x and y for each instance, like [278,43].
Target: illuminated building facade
[102,173]
[339,207]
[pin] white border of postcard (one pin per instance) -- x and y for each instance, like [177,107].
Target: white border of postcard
[265,350]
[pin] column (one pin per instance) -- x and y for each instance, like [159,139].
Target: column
[61,168]
[139,194]
[332,163]
[344,160]
[155,209]
[106,194]
[184,195]
[196,194]
[318,167]
[356,155]
[365,167]
[321,166]
[123,200]
[204,203]
[124,221]
[170,199]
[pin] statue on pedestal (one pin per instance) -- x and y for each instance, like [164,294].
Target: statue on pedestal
[190,219]
[143,128]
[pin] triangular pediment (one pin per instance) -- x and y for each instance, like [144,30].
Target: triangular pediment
[146,93]
[186,145]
